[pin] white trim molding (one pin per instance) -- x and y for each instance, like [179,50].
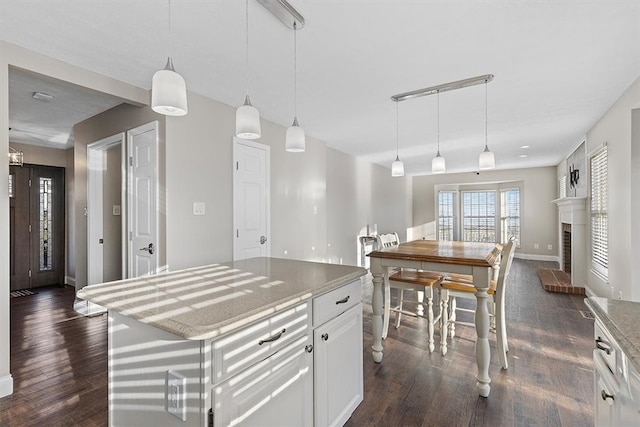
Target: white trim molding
[535,257]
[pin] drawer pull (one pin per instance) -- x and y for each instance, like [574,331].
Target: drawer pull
[273,337]
[599,342]
[325,337]
[308,348]
[343,300]
[606,396]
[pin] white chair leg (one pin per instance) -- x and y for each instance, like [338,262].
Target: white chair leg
[452,317]
[400,307]
[444,320]
[492,315]
[420,308]
[387,309]
[430,317]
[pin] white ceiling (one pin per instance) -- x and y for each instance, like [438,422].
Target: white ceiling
[558,66]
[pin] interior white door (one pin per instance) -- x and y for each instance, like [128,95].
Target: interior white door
[142,178]
[250,199]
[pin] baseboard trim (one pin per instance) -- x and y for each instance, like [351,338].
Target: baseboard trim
[69,280]
[6,385]
[534,257]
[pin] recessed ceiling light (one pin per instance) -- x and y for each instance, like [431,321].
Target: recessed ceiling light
[41,96]
[523,155]
[525,146]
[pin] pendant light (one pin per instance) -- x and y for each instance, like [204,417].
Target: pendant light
[295,139]
[168,88]
[247,116]
[437,163]
[487,159]
[397,167]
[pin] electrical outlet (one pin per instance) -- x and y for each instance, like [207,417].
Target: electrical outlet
[536,246]
[177,395]
[550,247]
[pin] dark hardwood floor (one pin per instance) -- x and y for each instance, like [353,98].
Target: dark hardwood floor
[549,381]
[59,366]
[58,363]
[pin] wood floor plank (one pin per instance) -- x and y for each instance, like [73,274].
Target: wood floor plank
[59,366]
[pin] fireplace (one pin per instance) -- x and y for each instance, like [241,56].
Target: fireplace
[572,236]
[566,248]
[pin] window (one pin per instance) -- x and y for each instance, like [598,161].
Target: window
[562,189]
[446,215]
[11,184]
[46,224]
[510,215]
[472,215]
[479,216]
[599,209]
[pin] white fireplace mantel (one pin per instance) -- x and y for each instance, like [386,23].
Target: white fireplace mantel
[573,210]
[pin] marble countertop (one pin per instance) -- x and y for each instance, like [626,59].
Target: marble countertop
[621,318]
[206,302]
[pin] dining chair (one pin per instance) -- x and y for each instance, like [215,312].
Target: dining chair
[457,286]
[401,279]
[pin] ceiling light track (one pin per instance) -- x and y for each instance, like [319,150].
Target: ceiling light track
[442,88]
[285,12]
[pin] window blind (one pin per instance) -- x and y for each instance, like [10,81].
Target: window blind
[510,215]
[599,210]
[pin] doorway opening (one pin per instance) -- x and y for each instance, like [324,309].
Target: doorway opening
[106,252]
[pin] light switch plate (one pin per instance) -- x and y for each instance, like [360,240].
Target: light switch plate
[198,208]
[177,395]
[116,210]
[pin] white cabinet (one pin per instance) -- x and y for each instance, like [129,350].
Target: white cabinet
[338,368]
[617,394]
[277,391]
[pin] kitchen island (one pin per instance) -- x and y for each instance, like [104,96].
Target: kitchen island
[616,360]
[262,341]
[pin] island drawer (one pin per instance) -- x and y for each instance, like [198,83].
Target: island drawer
[331,304]
[235,352]
[608,349]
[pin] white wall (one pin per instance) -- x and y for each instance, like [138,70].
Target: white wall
[319,199]
[615,129]
[539,217]
[353,204]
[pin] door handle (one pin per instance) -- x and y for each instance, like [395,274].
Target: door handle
[263,240]
[148,249]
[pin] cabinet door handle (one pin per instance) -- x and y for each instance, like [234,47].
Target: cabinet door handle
[599,342]
[325,337]
[308,348]
[272,337]
[343,300]
[606,396]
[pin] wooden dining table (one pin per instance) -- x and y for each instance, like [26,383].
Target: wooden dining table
[471,258]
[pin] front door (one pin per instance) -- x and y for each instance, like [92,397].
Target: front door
[36,226]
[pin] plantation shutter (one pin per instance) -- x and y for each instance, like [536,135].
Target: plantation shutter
[599,208]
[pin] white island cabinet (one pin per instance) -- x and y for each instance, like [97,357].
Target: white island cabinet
[258,342]
[616,358]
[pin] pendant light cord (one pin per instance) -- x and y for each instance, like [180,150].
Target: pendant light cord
[246,39]
[169,13]
[397,131]
[438,102]
[295,70]
[486,108]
